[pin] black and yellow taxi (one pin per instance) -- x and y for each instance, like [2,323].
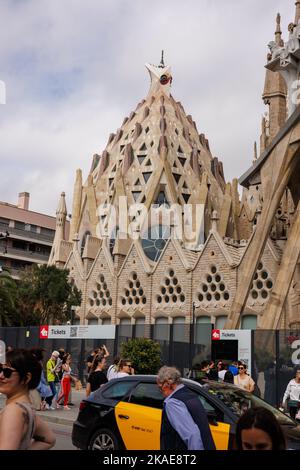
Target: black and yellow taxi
[126,414]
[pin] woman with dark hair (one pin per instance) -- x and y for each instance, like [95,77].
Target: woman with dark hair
[243,380]
[20,428]
[258,429]
[229,377]
[65,381]
[97,377]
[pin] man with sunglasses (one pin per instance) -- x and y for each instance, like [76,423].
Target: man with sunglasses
[184,423]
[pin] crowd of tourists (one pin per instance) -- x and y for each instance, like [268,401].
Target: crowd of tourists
[54,389]
[97,374]
[231,372]
[184,421]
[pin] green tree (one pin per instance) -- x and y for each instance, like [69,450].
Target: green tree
[8,297]
[46,294]
[145,355]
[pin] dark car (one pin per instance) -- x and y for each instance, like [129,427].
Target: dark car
[126,414]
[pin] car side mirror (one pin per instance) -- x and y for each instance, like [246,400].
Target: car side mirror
[212,417]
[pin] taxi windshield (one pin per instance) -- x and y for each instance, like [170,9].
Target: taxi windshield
[238,401]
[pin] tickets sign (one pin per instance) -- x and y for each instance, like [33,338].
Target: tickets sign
[215,335]
[77,332]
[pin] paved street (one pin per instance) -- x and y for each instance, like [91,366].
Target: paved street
[63,436]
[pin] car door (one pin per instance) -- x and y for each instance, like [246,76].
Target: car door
[220,430]
[139,419]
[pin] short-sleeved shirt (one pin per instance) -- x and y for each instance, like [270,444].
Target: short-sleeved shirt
[96,379]
[50,366]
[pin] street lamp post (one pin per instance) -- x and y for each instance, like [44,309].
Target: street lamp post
[192,336]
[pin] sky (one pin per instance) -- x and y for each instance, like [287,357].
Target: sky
[73,70]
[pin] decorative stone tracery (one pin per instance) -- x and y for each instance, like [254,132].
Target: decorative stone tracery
[133,293]
[261,286]
[212,288]
[100,296]
[170,291]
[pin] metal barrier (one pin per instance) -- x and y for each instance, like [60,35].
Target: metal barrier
[275,354]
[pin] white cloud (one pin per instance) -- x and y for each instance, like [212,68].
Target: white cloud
[73,70]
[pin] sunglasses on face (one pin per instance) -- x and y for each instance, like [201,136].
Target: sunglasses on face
[241,368]
[129,365]
[7,371]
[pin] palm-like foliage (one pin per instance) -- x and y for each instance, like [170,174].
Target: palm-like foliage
[8,297]
[45,294]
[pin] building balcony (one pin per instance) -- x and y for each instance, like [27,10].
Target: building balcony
[27,235]
[25,255]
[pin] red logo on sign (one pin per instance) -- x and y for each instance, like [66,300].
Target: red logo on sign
[44,331]
[215,334]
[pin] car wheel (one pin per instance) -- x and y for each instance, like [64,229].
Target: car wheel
[103,439]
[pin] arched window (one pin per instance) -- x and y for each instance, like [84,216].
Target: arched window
[154,240]
[179,329]
[220,322]
[93,321]
[161,329]
[249,322]
[83,241]
[106,321]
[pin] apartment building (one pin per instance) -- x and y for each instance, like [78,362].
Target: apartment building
[26,237]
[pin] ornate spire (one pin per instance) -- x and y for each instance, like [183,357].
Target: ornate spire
[161,77]
[255,152]
[214,221]
[62,208]
[278,32]
[61,215]
[162,63]
[76,207]
[297,14]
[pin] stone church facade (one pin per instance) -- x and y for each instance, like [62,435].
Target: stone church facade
[158,158]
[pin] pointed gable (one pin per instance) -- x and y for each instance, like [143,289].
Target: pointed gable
[214,276]
[171,280]
[134,295]
[101,285]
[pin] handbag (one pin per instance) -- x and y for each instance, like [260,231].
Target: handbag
[293,403]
